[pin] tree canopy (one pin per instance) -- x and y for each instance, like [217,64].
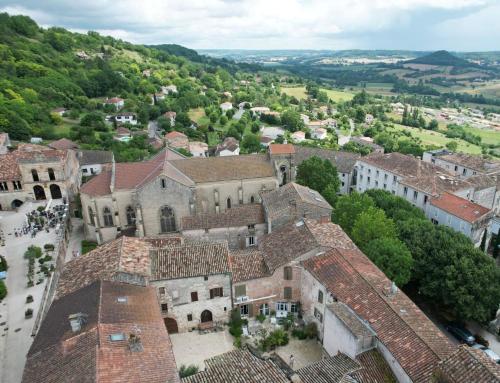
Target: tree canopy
[319,175]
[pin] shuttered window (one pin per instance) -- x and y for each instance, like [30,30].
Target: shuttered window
[287,273]
[194,296]
[287,293]
[216,292]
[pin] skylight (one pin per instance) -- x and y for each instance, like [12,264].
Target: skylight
[117,337]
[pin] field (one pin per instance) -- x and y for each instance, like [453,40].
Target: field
[198,115]
[299,92]
[488,137]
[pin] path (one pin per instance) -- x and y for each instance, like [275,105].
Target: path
[342,140]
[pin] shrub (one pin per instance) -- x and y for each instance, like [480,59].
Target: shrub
[311,330]
[88,246]
[3,263]
[186,371]
[33,252]
[299,334]
[276,338]
[237,342]
[40,208]
[261,318]
[236,323]
[3,290]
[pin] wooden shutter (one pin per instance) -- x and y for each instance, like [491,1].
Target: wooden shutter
[287,273]
[240,290]
[211,293]
[250,310]
[194,296]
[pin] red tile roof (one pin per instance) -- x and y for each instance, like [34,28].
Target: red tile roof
[240,215]
[414,341]
[460,207]
[281,149]
[63,144]
[175,134]
[248,264]
[114,100]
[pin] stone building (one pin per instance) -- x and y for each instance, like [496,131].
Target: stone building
[461,164]
[193,281]
[34,172]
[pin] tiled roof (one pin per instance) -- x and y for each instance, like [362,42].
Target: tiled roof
[283,200]
[281,149]
[460,207]
[114,100]
[331,369]
[354,323]
[63,144]
[470,161]
[240,215]
[123,255]
[365,142]
[27,153]
[190,260]
[94,157]
[98,185]
[238,366]
[175,134]
[229,168]
[343,161]
[414,341]
[467,365]
[121,131]
[374,368]
[59,355]
[248,264]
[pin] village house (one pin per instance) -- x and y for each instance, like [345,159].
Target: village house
[126,118]
[368,119]
[265,141]
[122,134]
[198,149]
[298,136]
[272,132]
[461,164]
[169,89]
[225,106]
[4,143]
[319,134]
[177,140]
[33,172]
[368,142]
[94,162]
[229,147]
[63,144]
[170,116]
[260,109]
[304,118]
[59,111]
[117,102]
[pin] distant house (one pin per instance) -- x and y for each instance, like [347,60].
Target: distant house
[304,118]
[157,97]
[36,140]
[260,109]
[146,72]
[319,133]
[329,123]
[126,118]
[227,94]
[169,89]
[242,105]
[171,117]
[123,134]
[63,144]
[198,149]
[272,132]
[59,111]
[177,140]
[368,142]
[94,161]
[4,143]
[117,102]
[266,141]
[368,118]
[229,147]
[298,136]
[225,106]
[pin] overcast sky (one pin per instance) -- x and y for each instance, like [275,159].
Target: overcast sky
[462,25]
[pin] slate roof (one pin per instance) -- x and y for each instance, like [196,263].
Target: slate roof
[238,366]
[343,161]
[59,355]
[466,365]
[331,369]
[470,161]
[63,144]
[248,264]
[214,169]
[281,201]
[122,255]
[94,157]
[460,207]
[414,341]
[190,260]
[240,215]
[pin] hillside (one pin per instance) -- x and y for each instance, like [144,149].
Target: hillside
[441,58]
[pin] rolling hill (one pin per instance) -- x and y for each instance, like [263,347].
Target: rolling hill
[441,58]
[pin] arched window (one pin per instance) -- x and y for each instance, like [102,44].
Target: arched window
[252,199]
[130,212]
[34,173]
[91,216]
[167,219]
[107,216]
[228,203]
[52,176]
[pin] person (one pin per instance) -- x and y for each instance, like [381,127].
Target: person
[292,359]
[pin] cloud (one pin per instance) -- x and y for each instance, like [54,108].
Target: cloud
[255,24]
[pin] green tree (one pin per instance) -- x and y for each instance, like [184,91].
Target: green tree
[392,257]
[3,290]
[433,125]
[452,145]
[370,225]
[290,118]
[319,175]
[349,207]
[251,143]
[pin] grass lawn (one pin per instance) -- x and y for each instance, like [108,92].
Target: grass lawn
[196,114]
[338,95]
[299,92]
[487,136]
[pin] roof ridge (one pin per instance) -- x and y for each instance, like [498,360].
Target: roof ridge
[477,356]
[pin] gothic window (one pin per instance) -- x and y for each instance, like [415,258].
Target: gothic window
[34,173]
[167,219]
[107,216]
[228,203]
[52,175]
[130,212]
[91,216]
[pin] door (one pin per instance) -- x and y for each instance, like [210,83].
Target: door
[171,325]
[55,191]
[206,316]
[39,192]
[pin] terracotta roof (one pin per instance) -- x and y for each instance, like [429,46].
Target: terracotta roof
[229,168]
[248,264]
[229,143]
[364,141]
[123,255]
[174,134]
[477,163]
[60,355]
[240,215]
[190,260]
[466,365]
[331,369]
[281,149]
[97,185]
[343,161]
[238,366]
[283,201]
[460,207]
[413,340]
[121,131]
[374,368]
[114,100]
[265,139]
[27,153]
[93,157]
[63,144]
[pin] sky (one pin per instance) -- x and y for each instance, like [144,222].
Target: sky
[457,25]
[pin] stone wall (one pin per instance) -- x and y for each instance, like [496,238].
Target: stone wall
[236,237]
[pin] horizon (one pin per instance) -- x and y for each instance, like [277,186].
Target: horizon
[300,25]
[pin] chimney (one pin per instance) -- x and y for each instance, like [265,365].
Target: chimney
[134,343]
[76,321]
[394,288]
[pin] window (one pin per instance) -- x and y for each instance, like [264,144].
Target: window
[17,185]
[281,306]
[194,296]
[205,278]
[34,174]
[130,213]
[161,291]
[216,292]
[361,177]
[456,168]
[264,309]
[85,171]
[163,183]
[376,183]
[320,296]
[3,186]
[190,317]
[464,171]
[167,220]
[318,315]
[415,195]
[385,177]
[250,241]
[117,337]
[343,183]
[394,179]
[244,310]
[405,191]
[294,307]
[426,198]
[122,299]
[52,176]
[287,293]
[368,179]
[228,203]
[91,216]
[164,307]
[107,216]
[287,273]
[240,290]
[369,171]
[252,199]
[377,173]
[385,186]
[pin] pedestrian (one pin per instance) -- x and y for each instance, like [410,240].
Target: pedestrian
[292,360]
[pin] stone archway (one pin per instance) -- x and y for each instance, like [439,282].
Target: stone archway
[171,325]
[39,192]
[206,316]
[55,191]
[16,203]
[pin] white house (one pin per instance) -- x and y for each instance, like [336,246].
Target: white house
[298,136]
[126,118]
[229,147]
[170,116]
[319,134]
[272,132]
[260,109]
[225,106]
[169,89]
[198,149]
[117,102]
[368,118]
[304,118]
[93,162]
[59,111]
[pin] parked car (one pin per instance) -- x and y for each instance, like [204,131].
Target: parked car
[492,354]
[461,333]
